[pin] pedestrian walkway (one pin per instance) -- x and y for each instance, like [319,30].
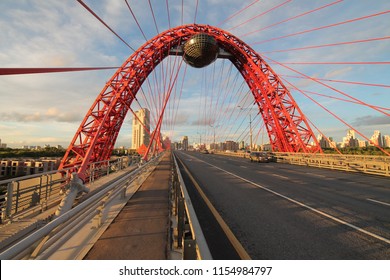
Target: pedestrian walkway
[140,231]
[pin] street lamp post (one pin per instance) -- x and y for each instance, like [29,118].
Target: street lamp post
[250,126]
[214,133]
[200,140]
[250,130]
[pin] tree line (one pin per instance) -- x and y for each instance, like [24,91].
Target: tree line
[28,153]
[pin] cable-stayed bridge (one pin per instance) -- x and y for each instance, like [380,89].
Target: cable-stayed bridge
[302,203]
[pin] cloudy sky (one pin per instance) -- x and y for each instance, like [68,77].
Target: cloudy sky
[38,109]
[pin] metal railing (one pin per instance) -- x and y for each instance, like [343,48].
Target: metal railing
[35,193]
[56,232]
[188,234]
[375,165]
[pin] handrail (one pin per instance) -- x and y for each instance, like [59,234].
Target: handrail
[196,230]
[28,193]
[25,243]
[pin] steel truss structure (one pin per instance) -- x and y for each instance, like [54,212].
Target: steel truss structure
[287,127]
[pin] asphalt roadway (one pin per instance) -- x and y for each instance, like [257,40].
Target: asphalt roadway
[283,212]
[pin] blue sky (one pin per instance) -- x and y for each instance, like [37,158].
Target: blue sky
[43,109]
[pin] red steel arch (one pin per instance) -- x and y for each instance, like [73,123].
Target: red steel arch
[287,127]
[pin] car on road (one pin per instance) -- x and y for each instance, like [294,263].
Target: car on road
[259,156]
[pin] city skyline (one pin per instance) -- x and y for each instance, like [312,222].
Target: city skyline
[44,109]
[194,140]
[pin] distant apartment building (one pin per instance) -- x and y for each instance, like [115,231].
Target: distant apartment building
[350,140]
[5,168]
[265,147]
[17,168]
[324,143]
[386,141]
[3,145]
[231,146]
[376,139]
[362,143]
[184,143]
[29,167]
[214,146]
[141,128]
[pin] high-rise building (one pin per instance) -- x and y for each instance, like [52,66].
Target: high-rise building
[350,140]
[377,139]
[3,145]
[323,141]
[386,141]
[362,143]
[141,128]
[185,143]
[231,145]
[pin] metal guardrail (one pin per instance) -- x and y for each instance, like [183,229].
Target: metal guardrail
[375,165]
[56,232]
[36,193]
[188,233]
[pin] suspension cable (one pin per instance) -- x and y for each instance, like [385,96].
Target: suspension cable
[338,63]
[196,10]
[340,81]
[154,18]
[321,27]
[342,99]
[237,13]
[261,14]
[295,17]
[169,17]
[105,24]
[135,18]
[330,45]
[326,85]
[22,71]
[327,139]
[338,118]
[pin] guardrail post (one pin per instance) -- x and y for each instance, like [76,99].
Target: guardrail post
[17,196]
[8,200]
[189,249]
[99,215]
[49,183]
[50,186]
[40,186]
[125,190]
[177,196]
[35,198]
[180,222]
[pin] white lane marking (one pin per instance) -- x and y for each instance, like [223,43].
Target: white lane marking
[279,176]
[377,201]
[316,175]
[307,206]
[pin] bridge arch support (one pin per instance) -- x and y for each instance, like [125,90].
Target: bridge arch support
[287,127]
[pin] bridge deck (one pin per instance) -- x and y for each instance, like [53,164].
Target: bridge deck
[140,231]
